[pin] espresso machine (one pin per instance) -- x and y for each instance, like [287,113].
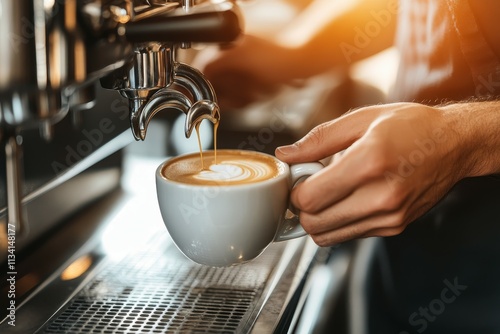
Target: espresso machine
[57,53]
[80,80]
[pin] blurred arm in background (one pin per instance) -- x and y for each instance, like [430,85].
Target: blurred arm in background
[325,35]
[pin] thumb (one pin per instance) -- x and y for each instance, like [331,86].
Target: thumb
[329,138]
[321,142]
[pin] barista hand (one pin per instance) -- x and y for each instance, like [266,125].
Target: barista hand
[399,160]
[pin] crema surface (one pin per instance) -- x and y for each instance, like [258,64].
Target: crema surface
[232,167]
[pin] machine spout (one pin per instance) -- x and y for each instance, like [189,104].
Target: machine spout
[142,111]
[202,103]
[205,105]
[151,84]
[201,110]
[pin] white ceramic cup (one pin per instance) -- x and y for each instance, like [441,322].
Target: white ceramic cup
[222,225]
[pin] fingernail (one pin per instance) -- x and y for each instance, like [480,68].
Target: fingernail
[288,149]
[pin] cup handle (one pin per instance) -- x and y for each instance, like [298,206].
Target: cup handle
[290,227]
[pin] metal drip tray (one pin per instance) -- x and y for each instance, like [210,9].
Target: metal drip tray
[163,292]
[181,311]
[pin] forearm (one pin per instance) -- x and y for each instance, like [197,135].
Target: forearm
[477,125]
[350,33]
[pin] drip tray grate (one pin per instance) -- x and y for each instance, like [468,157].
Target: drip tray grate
[210,311]
[162,292]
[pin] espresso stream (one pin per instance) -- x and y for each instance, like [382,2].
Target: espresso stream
[223,167]
[216,126]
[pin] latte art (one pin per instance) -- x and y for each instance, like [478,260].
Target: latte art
[233,167]
[236,171]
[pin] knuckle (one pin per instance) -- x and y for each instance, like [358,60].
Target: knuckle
[389,201]
[398,230]
[374,168]
[307,223]
[313,224]
[379,163]
[304,200]
[374,164]
[315,136]
[396,222]
[321,240]
[355,231]
[389,232]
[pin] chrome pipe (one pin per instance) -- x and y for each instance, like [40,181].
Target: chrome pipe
[15,217]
